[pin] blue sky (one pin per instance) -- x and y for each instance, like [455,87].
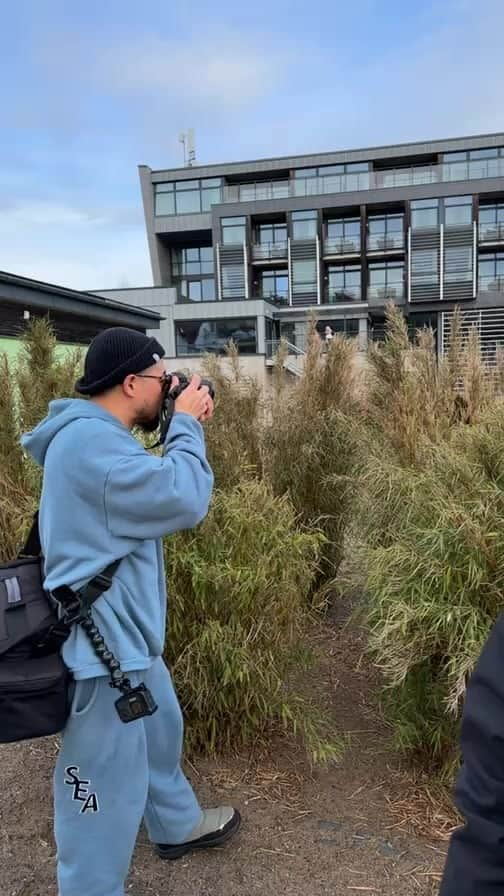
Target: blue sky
[88,90]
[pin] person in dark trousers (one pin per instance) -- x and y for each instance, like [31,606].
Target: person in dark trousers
[475,861]
[104,498]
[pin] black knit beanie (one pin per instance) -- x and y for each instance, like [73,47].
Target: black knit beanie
[114,354]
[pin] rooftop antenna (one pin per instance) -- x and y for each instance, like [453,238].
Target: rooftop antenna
[187,140]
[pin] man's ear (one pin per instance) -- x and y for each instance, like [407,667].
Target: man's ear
[128,385]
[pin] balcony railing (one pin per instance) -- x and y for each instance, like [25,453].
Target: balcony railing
[491,233]
[390,243]
[275,189]
[491,284]
[269,251]
[474,169]
[386,293]
[280,297]
[342,296]
[342,246]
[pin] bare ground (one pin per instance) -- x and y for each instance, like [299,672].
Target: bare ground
[363,826]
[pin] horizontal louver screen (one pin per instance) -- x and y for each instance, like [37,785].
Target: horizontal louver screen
[489,323]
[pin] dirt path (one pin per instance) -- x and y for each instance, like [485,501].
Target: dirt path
[304,833]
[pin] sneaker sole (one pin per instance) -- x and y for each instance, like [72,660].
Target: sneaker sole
[206,842]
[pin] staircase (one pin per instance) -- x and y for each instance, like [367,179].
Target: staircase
[294,360]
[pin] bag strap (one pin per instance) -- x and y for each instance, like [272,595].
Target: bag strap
[32,547]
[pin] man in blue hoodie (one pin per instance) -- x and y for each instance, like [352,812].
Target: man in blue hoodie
[105,498]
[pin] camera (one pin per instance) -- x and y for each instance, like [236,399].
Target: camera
[183,382]
[171,393]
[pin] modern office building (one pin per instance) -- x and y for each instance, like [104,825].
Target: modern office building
[244,250]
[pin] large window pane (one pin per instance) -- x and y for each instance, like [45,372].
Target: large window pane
[196,336]
[304,225]
[188,202]
[386,280]
[233,230]
[344,283]
[458,211]
[424,213]
[165,203]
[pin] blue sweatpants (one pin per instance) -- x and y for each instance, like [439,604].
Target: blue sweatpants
[109,775]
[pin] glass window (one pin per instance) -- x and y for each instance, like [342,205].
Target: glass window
[164,199]
[196,336]
[484,153]
[304,225]
[234,230]
[271,233]
[343,235]
[386,280]
[197,290]
[274,284]
[424,213]
[344,283]
[491,222]
[192,260]
[304,277]
[187,196]
[491,272]
[188,202]
[458,211]
[306,172]
[385,232]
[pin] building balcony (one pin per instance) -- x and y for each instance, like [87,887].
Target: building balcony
[491,284]
[393,242]
[269,251]
[342,296]
[491,233]
[476,169]
[386,293]
[338,246]
[280,297]
[253,192]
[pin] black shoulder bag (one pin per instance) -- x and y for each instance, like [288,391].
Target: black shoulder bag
[34,681]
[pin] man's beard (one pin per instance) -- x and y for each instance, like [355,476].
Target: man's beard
[148,424]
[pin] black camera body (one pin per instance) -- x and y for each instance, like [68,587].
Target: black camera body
[183,382]
[171,393]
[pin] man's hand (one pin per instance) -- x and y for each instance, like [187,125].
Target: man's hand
[195,401]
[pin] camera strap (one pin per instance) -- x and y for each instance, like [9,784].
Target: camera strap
[134,702]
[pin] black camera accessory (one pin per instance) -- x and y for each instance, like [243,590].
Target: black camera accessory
[170,396]
[135,704]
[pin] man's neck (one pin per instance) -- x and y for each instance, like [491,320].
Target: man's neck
[112,407]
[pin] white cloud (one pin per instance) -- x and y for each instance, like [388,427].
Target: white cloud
[222,67]
[72,248]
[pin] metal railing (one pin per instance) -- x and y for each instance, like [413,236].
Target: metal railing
[269,251]
[280,297]
[393,241]
[474,169]
[342,296]
[272,346]
[253,192]
[385,293]
[491,233]
[341,245]
[491,284]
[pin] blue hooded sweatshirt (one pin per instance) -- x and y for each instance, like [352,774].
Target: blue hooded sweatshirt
[104,498]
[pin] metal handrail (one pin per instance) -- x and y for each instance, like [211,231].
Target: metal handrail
[341,245]
[491,232]
[474,169]
[269,250]
[272,346]
[390,241]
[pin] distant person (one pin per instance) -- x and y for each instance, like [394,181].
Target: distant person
[328,335]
